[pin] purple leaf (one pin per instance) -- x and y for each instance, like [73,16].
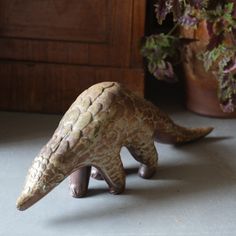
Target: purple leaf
[165,72]
[231,66]
[228,107]
[176,9]
[188,21]
[210,28]
[227,92]
[215,41]
[161,10]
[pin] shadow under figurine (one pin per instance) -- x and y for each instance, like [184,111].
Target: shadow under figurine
[102,119]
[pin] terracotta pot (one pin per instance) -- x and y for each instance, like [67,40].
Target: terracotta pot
[201,86]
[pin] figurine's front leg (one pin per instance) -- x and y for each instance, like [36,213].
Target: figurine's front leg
[108,167]
[78,182]
[112,170]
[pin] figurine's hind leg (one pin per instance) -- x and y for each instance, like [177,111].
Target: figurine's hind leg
[96,174]
[112,170]
[145,152]
[78,182]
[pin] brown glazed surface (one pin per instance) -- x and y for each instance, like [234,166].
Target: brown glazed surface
[201,86]
[102,119]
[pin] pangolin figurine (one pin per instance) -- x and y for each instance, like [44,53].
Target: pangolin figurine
[102,119]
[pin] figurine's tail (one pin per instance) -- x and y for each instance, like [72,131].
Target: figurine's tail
[169,132]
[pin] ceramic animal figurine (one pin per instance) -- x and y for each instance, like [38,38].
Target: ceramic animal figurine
[102,119]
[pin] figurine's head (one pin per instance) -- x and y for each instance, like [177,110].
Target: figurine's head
[41,179]
[47,171]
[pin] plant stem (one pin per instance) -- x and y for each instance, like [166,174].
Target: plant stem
[173,29]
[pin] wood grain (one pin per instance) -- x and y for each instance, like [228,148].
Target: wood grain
[56,19]
[58,48]
[52,88]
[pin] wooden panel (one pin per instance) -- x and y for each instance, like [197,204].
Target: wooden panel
[118,53]
[138,26]
[105,39]
[43,51]
[52,88]
[56,19]
[51,50]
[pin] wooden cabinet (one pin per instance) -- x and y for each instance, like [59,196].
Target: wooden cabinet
[52,50]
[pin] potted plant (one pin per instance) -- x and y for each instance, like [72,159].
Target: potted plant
[203,39]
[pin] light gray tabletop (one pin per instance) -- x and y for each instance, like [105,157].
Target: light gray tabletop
[192,193]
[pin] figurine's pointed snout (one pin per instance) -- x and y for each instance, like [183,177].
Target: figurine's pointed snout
[21,203]
[39,182]
[25,201]
[31,195]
